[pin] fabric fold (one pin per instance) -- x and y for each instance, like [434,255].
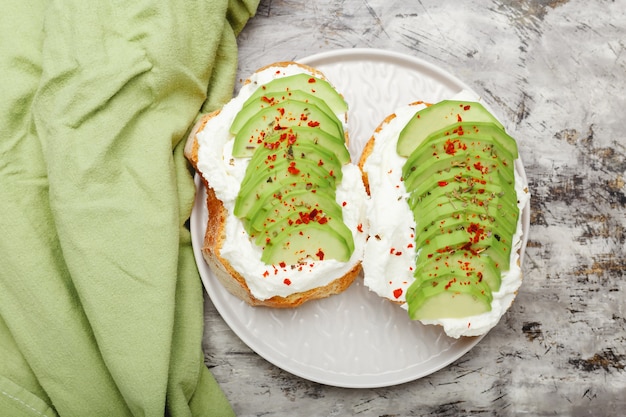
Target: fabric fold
[100,298]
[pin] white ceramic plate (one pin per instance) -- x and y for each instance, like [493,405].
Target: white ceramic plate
[355,339]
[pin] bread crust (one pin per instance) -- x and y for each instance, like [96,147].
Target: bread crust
[215,235]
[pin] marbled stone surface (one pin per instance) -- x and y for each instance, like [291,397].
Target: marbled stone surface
[556,72]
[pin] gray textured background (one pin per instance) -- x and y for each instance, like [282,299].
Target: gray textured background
[556,72]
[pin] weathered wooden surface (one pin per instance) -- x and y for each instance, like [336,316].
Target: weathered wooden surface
[556,71]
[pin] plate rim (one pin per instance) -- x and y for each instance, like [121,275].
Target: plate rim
[211,286]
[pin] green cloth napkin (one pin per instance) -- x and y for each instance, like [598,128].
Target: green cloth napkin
[100,298]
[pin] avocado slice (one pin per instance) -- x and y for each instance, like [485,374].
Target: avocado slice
[271,181]
[313,240]
[462,136]
[335,144]
[307,83]
[477,157]
[254,104]
[298,200]
[475,229]
[460,263]
[440,116]
[474,239]
[281,116]
[460,185]
[297,135]
[500,210]
[325,213]
[296,159]
[448,296]
[443,208]
[439,173]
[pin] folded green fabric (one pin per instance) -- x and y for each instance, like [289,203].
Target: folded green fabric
[100,298]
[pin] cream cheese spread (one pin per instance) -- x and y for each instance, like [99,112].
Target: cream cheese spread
[225,173]
[389,256]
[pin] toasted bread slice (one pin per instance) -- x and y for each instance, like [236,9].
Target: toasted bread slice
[393,286]
[215,234]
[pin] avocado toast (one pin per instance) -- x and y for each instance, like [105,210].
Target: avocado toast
[286,206]
[446,173]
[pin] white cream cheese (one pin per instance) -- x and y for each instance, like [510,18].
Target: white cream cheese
[389,256]
[225,173]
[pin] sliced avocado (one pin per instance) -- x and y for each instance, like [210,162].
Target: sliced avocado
[457,224]
[296,135]
[298,200]
[254,104]
[443,208]
[287,168]
[461,185]
[335,144]
[307,83]
[250,207]
[291,158]
[278,117]
[461,263]
[492,172]
[439,116]
[461,137]
[462,192]
[308,176]
[315,241]
[327,216]
[448,296]
[499,209]
[481,241]
[478,157]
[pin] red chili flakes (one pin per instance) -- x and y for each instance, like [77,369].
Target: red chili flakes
[409,246]
[287,281]
[320,163]
[397,292]
[343,204]
[320,254]
[312,80]
[271,145]
[282,264]
[359,227]
[398,253]
[480,167]
[449,147]
[266,274]
[292,169]
[313,123]
[442,183]
[281,110]
[392,250]
[449,284]
[304,218]
[323,220]
[477,232]
[459,118]
[466,107]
